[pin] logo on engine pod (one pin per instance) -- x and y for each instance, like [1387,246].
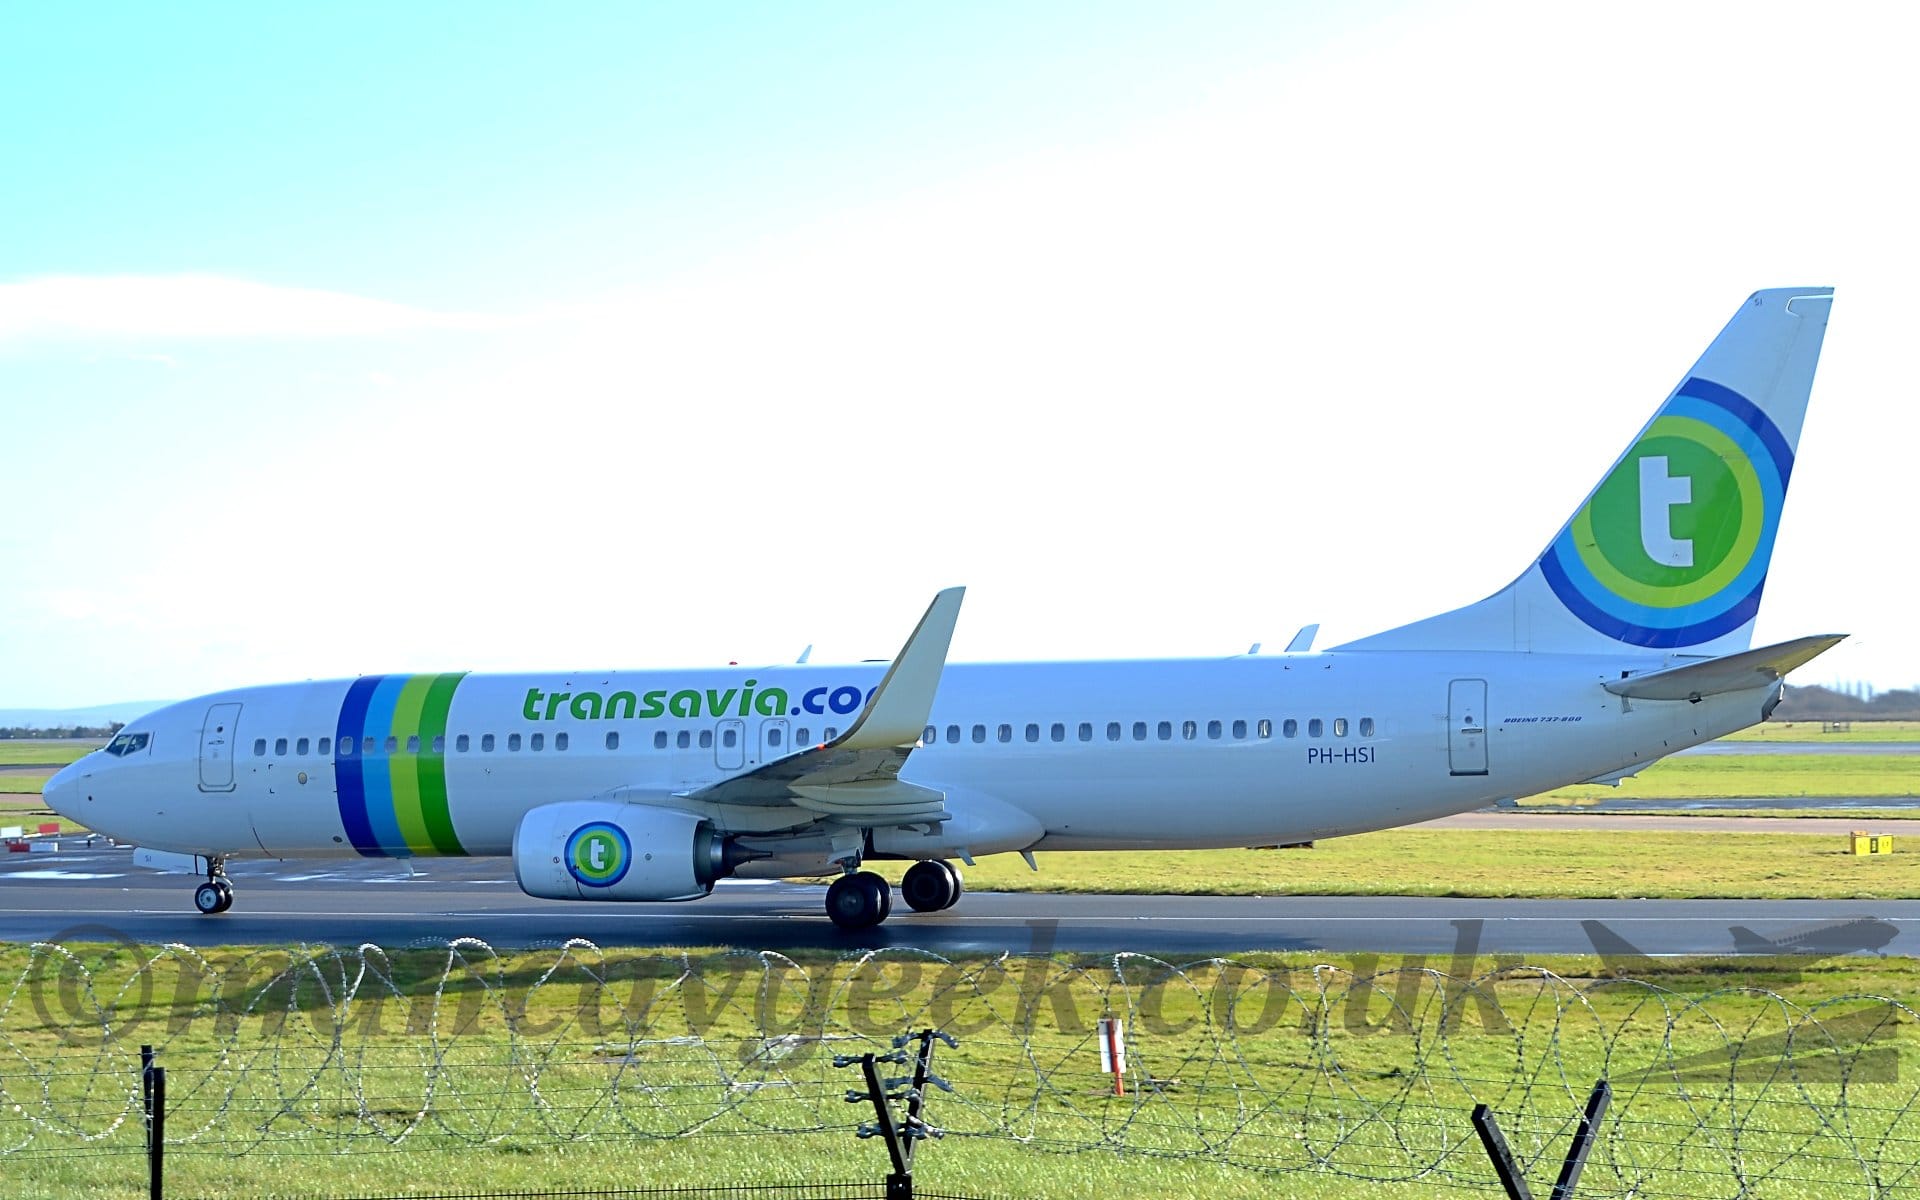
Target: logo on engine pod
[598,854]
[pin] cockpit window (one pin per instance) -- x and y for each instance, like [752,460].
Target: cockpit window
[128,743]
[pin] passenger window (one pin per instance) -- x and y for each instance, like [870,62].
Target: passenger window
[1213,730]
[513,743]
[346,747]
[1139,731]
[413,743]
[660,740]
[439,743]
[1339,727]
[1033,732]
[706,739]
[1113,731]
[1264,729]
[259,747]
[1314,727]
[486,743]
[1058,733]
[326,747]
[773,736]
[801,738]
[682,740]
[1239,730]
[461,744]
[1165,730]
[953,735]
[559,741]
[613,739]
[1366,726]
[929,736]
[393,743]
[730,737]
[1086,731]
[539,742]
[279,747]
[300,747]
[829,733]
[1189,729]
[1290,729]
[979,734]
[1005,733]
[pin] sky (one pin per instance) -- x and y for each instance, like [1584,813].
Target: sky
[357,338]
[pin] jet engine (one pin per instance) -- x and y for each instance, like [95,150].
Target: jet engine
[599,850]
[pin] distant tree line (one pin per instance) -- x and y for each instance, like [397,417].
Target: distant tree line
[13,732]
[1815,703]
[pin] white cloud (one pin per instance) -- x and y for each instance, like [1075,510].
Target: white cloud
[201,306]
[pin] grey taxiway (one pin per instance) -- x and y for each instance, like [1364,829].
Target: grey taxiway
[97,894]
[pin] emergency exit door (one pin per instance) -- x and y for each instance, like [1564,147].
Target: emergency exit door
[1467,727]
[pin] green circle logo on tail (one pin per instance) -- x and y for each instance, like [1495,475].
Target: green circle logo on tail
[598,854]
[1672,548]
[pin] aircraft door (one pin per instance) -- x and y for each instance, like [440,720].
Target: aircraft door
[1467,727]
[774,739]
[218,736]
[730,745]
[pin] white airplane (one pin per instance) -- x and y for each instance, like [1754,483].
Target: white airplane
[1626,640]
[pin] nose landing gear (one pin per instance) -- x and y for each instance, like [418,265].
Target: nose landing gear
[216,894]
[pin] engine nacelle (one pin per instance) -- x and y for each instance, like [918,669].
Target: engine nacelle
[597,850]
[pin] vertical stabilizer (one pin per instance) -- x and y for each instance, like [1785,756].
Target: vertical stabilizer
[1670,551]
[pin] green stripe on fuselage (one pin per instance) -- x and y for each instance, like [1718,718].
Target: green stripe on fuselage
[434,809]
[404,767]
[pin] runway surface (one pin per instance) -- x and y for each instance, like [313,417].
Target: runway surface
[94,895]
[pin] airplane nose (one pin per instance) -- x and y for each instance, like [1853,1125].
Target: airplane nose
[62,792]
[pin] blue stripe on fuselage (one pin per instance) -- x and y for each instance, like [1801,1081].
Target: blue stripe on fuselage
[347,759]
[376,778]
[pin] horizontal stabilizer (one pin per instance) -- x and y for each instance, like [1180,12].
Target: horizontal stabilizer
[1730,673]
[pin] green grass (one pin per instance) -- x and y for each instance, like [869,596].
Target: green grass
[1416,862]
[49,753]
[22,785]
[266,1103]
[1783,776]
[1809,731]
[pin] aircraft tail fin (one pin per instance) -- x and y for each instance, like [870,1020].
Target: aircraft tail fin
[1746,941]
[1670,550]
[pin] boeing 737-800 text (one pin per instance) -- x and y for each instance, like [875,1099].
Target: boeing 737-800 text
[1627,639]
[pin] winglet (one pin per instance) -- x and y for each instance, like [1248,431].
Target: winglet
[897,713]
[1303,641]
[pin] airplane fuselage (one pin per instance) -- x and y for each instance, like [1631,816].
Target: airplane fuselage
[1188,754]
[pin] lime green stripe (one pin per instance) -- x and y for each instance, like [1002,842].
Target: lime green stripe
[404,767]
[433,767]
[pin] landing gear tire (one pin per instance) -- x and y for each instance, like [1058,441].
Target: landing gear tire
[213,896]
[931,885]
[859,901]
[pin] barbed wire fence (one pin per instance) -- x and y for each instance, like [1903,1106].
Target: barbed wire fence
[1368,1076]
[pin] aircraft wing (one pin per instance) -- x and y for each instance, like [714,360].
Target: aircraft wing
[856,776]
[1729,673]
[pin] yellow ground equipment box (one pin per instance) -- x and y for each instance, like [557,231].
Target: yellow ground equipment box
[1871,843]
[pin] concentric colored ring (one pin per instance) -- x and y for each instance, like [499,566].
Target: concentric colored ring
[1736,465]
[598,854]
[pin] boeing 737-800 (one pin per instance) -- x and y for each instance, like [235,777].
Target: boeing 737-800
[1626,640]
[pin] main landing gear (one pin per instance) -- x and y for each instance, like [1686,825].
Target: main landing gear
[216,894]
[862,899]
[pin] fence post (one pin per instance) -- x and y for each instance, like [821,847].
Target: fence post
[904,1133]
[146,1095]
[157,1135]
[1582,1141]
